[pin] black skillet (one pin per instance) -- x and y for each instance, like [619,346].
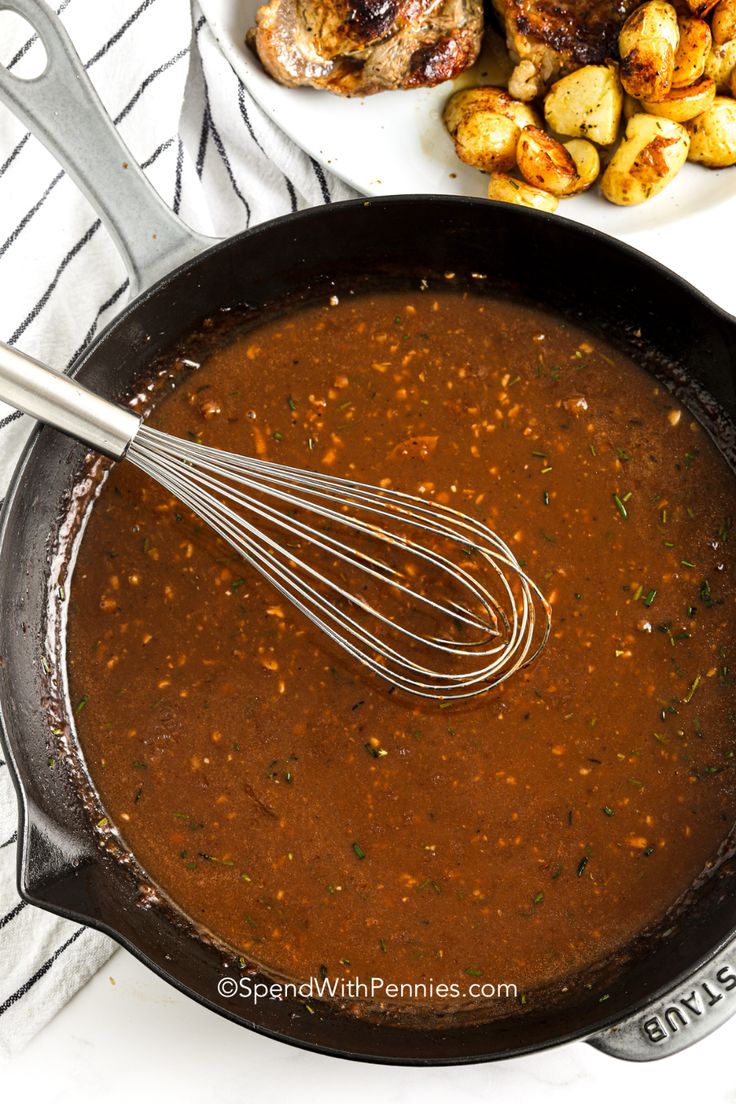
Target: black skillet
[673,991]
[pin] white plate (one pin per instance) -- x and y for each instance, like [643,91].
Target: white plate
[395,143]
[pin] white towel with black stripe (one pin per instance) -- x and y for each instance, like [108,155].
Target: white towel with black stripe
[223,166]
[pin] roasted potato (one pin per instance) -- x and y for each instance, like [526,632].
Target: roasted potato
[720,64]
[508,190]
[701,7]
[485,124]
[545,163]
[631,107]
[733,83]
[487,98]
[724,22]
[683,104]
[713,135]
[692,51]
[587,162]
[648,44]
[487,141]
[586,104]
[650,156]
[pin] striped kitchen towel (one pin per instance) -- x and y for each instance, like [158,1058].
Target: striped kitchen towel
[223,166]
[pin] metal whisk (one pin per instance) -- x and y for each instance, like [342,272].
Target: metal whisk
[424,596]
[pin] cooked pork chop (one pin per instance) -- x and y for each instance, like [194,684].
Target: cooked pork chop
[548,38]
[358,47]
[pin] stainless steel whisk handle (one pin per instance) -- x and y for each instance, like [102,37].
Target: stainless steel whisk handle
[63,403]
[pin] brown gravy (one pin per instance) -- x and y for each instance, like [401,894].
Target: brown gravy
[314,821]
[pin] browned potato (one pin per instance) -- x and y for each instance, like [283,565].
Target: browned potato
[487,98]
[701,7]
[724,22]
[545,163]
[684,103]
[587,162]
[733,83]
[586,104]
[631,107]
[720,64]
[713,135]
[648,44]
[650,156]
[485,124]
[507,190]
[694,47]
[487,141]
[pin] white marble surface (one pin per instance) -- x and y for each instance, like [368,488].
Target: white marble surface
[128,1034]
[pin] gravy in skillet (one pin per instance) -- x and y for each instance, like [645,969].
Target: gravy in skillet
[318,823]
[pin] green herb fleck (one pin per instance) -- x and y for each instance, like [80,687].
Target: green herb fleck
[693,687]
[620,507]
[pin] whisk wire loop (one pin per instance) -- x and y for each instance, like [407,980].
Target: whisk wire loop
[226,490]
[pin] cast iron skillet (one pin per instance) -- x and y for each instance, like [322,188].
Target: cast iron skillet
[666,998]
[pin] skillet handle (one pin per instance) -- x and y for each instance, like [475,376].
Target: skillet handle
[62,109]
[701,1003]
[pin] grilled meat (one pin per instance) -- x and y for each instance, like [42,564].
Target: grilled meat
[358,47]
[548,38]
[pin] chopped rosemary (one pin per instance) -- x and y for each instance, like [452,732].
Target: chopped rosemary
[620,506]
[693,687]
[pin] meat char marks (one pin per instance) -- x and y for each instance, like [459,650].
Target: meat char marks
[358,47]
[548,38]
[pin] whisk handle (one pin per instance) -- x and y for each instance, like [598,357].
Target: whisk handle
[61,402]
